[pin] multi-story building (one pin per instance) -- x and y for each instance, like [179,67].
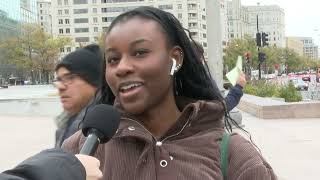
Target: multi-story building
[310,49]
[28,10]
[44,15]
[85,20]
[237,20]
[9,27]
[243,20]
[9,18]
[270,21]
[295,44]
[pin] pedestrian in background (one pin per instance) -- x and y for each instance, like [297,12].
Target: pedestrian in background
[236,92]
[78,81]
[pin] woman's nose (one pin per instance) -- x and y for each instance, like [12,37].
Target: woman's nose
[124,67]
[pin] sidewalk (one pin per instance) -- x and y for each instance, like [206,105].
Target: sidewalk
[291,146]
[22,136]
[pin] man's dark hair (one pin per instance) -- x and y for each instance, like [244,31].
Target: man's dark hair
[192,80]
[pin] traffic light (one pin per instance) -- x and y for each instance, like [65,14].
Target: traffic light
[261,56]
[265,39]
[258,39]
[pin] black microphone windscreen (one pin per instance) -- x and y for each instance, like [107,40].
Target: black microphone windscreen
[104,118]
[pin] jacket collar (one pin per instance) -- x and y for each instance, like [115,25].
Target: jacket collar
[196,116]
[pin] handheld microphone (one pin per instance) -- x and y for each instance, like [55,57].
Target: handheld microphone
[100,124]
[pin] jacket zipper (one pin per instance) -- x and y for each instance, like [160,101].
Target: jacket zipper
[162,141]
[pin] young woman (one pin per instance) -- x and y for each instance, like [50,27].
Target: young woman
[172,116]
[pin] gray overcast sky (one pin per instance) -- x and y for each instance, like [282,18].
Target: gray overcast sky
[302,18]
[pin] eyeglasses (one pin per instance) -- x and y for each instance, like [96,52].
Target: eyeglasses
[65,80]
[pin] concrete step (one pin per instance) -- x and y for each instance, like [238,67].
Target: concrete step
[268,108]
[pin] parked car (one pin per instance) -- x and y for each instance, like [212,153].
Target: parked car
[299,84]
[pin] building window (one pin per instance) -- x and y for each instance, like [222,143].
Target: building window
[167,6]
[95,29]
[67,30]
[118,9]
[120,1]
[81,30]
[94,10]
[180,15]
[41,23]
[82,39]
[179,6]
[40,5]
[60,21]
[203,17]
[204,35]
[66,2]
[60,12]
[60,31]
[59,2]
[104,29]
[94,1]
[80,11]
[62,50]
[80,1]
[95,20]
[67,21]
[204,26]
[41,17]
[96,39]
[108,19]
[81,20]
[66,11]
[40,11]
[68,49]
[204,44]
[193,33]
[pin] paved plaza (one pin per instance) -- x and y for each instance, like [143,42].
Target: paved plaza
[291,146]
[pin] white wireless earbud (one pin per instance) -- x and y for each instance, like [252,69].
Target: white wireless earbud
[173,67]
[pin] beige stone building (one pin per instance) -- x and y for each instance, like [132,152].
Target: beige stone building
[295,44]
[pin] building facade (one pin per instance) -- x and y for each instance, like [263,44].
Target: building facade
[9,18]
[242,20]
[295,44]
[310,49]
[85,20]
[270,21]
[44,15]
[237,20]
[28,10]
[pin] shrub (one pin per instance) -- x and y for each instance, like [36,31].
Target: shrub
[289,93]
[267,89]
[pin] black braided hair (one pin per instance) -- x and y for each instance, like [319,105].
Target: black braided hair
[192,80]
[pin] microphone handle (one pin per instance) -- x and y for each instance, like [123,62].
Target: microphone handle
[90,145]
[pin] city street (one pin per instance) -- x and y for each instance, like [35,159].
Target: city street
[291,146]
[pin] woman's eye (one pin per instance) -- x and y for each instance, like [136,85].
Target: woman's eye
[112,60]
[141,52]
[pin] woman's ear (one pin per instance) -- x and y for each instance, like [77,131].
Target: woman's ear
[177,54]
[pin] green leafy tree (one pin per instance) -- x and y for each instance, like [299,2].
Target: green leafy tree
[237,47]
[34,51]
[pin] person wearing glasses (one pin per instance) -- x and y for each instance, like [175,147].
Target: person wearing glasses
[78,77]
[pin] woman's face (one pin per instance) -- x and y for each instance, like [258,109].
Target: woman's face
[138,65]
